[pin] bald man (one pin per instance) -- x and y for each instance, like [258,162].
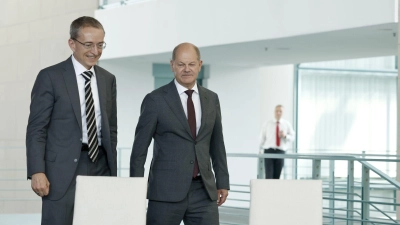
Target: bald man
[184,119]
[276,137]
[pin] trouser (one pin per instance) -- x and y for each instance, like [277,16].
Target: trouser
[196,209]
[61,212]
[273,167]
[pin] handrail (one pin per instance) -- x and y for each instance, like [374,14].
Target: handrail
[325,157]
[381,174]
[305,154]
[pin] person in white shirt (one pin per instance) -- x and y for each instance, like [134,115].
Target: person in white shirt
[276,136]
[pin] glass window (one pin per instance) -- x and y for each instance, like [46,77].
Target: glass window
[348,106]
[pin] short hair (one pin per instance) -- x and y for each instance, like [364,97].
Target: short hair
[185,43]
[81,22]
[281,106]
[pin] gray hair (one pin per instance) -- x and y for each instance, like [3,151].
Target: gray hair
[81,22]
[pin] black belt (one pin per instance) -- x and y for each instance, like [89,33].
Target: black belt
[85,147]
[197,178]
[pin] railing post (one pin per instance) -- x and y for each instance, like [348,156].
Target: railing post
[365,195]
[119,161]
[260,170]
[316,169]
[332,189]
[350,191]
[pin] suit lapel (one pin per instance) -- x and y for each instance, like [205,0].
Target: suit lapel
[174,101]
[102,91]
[72,88]
[205,109]
[101,86]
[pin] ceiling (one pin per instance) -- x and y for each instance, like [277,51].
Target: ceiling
[379,40]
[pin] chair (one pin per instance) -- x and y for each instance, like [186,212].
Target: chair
[110,200]
[286,202]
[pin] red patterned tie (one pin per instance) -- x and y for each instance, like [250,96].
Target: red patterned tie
[278,140]
[192,124]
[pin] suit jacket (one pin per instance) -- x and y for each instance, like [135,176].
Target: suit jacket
[163,118]
[54,132]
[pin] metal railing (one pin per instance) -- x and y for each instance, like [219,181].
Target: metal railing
[358,198]
[346,200]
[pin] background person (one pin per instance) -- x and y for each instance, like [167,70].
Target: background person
[276,136]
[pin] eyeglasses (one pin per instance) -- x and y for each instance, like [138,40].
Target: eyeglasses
[90,45]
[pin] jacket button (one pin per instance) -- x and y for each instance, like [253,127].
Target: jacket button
[195,142]
[191,162]
[75,160]
[80,139]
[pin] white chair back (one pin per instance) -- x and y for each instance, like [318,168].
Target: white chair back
[286,202]
[110,200]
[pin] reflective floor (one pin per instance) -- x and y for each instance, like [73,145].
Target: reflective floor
[19,219]
[227,216]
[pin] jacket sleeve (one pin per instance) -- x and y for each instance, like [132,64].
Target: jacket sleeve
[218,153]
[41,108]
[143,135]
[113,121]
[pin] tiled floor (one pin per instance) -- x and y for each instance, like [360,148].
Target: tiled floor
[19,219]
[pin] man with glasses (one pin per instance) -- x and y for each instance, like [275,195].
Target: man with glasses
[72,128]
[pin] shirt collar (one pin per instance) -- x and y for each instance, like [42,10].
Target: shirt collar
[79,68]
[182,89]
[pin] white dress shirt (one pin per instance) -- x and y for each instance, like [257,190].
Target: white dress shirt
[268,135]
[79,69]
[196,102]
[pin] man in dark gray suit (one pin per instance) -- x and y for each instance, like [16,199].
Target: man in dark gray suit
[185,121]
[72,128]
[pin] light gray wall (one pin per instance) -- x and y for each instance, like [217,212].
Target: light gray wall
[33,35]
[134,81]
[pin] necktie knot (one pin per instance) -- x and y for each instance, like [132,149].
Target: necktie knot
[189,93]
[87,75]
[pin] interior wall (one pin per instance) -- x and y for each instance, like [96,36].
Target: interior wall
[248,96]
[134,81]
[278,88]
[33,35]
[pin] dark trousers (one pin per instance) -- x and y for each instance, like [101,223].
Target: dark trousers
[196,209]
[61,212]
[273,167]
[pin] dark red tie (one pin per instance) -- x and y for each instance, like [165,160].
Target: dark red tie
[192,124]
[278,140]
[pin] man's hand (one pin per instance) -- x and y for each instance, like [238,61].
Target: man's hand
[40,184]
[222,195]
[282,134]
